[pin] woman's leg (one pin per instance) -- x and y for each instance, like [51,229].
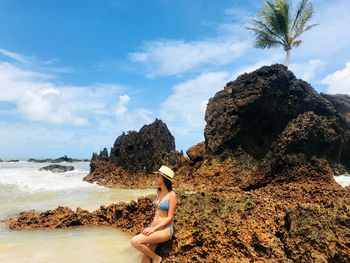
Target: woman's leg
[146,259]
[140,242]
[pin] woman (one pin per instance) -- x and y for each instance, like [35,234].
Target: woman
[161,229]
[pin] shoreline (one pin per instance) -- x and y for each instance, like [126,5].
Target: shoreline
[228,219]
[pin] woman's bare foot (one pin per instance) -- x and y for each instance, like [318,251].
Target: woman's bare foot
[157,260]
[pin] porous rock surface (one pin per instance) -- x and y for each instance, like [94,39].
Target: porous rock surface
[303,220]
[268,114]
[134,157]
[342,104]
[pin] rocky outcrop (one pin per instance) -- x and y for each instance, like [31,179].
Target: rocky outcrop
[197,153]
[134,157]
[58,160]
[145,150]
[56,168]
[294,221]
[108,175]
[278,121]
[131,216]
[342,104]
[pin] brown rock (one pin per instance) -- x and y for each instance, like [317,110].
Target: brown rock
[145,150]
[278,120]
[134,157]
[197,153]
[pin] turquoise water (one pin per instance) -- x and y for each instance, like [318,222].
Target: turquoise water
[23,187]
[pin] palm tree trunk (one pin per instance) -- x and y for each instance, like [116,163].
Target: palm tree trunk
[287,58]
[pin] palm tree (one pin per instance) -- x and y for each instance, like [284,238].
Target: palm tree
[277,26]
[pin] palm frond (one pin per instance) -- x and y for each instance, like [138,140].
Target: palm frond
[263,27]
[302,31]
[298,14]
[276,16]
[305,15]
[276,25]
[296,43]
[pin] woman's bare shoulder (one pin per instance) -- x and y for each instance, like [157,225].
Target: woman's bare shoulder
[173,194]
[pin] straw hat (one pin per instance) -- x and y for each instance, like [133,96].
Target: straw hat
[166,172]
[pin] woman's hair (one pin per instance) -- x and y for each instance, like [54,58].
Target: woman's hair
[167,183]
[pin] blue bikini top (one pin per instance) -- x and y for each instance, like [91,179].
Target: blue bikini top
[163,205]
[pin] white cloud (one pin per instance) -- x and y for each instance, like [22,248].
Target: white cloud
[187,103]
[121,107]
[48,105]
[129,119]
[239,14]
[307,71]
[15,56]
[38,98]
[339,81]
[33,63]
[171,57]
[332,33]
[42,141]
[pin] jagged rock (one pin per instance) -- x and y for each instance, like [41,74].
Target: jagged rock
[58,160]
[109,175]
[306,136]
[197,153]
[342,103]
[134,157]
[294,221]
[131,216]
[97,159]
[266,114]
[55,168]
[145,150]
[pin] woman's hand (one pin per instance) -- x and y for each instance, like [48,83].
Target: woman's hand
[148,230]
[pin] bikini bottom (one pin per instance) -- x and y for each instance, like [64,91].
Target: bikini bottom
[171,230]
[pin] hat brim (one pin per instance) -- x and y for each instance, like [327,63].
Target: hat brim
[164,175]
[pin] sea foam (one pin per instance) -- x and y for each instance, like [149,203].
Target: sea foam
[343,180]
[26,177]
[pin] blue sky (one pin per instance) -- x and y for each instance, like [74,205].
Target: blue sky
[75,74]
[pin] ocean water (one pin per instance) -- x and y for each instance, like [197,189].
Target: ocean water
[23,187]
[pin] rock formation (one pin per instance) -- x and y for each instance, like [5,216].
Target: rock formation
[134,157]
[58,160]
[276,122]
[260,188]
[56,168]
[342,104]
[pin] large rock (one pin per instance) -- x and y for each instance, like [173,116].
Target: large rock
[58,160]
[342,103]
[134,156]
[56,168]
[271,113]
[145,150]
